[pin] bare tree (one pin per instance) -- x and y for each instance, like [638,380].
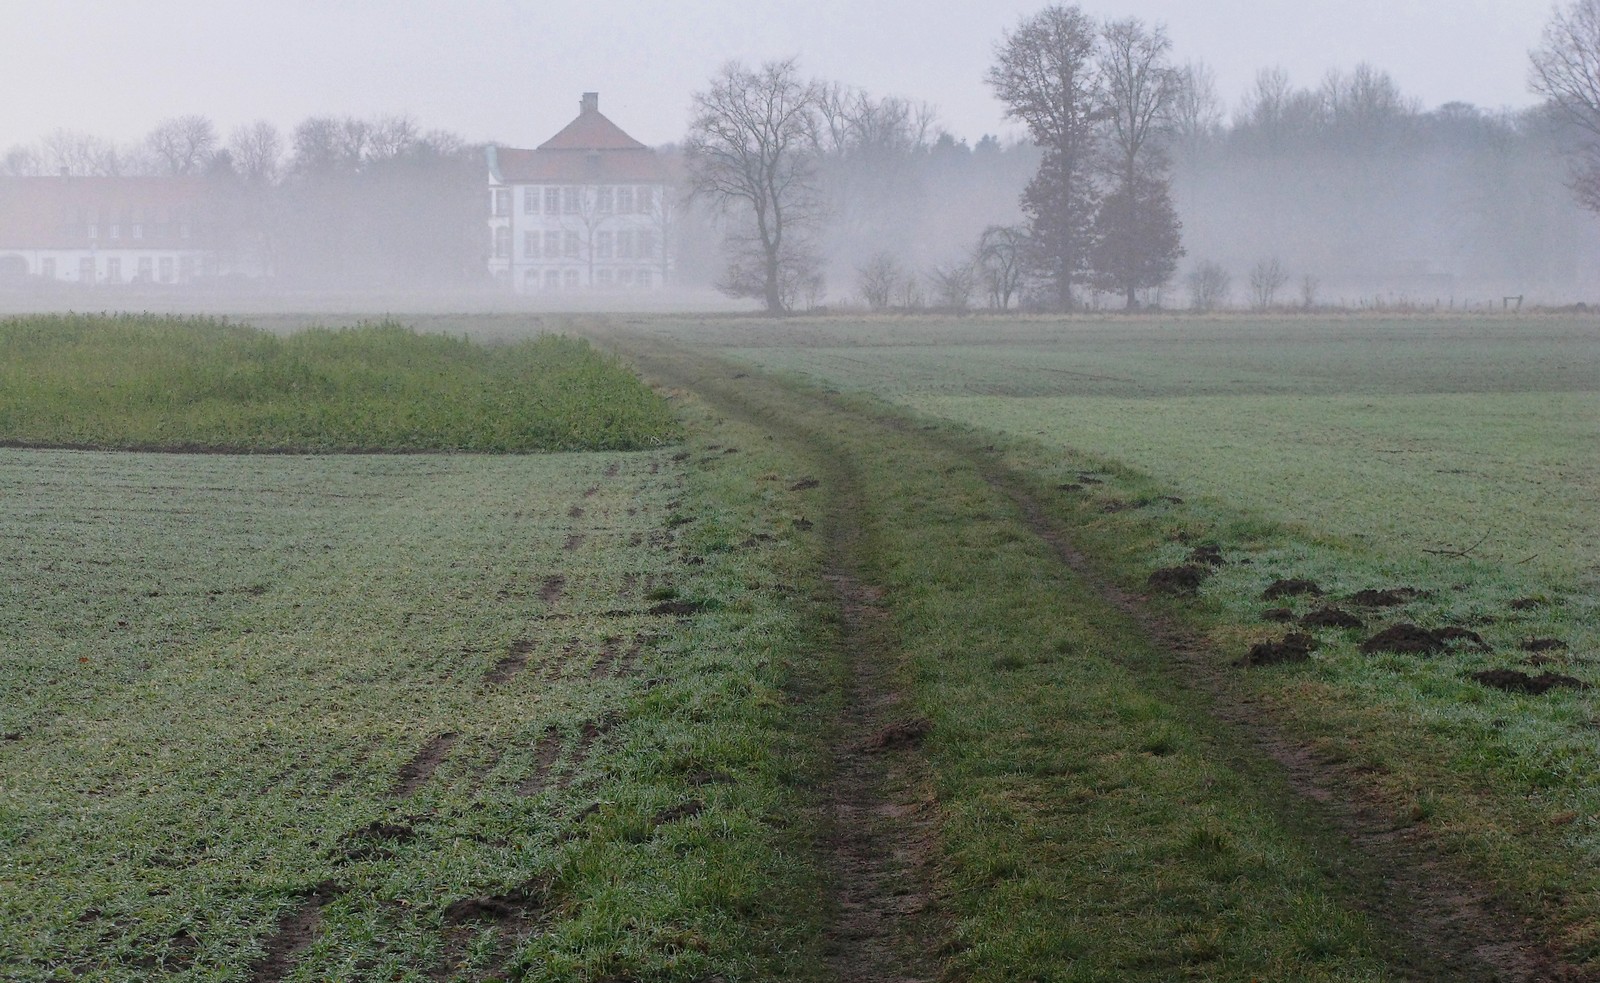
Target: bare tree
[1195,110]
[1209,285]
[751,150]
[1566,71]
[1137,231]
[1000,263]
[257,151]
[183,144]
[1266,279]
[22,161]
[81,153]
[1047,76]
[876,280]
[953,284]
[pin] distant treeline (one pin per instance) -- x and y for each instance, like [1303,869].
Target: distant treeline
[1353,188]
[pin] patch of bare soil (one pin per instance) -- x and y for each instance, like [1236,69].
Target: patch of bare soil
[574,541]
[575,512]
[545,754]
[422,765]
[805,483]
[1406,639]
[1279,615]
[1208,554]
[677,608]
[511,916]
[510,664]
[1295,647]
[1292,587]
[550,590]
[1513,681]
[1528,603]
[1388,598]
[1331,618]
[880,843]
[1181,580]
[296,928]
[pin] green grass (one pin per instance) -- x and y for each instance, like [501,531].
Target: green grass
[1341,451]
[144,382]
[217,668]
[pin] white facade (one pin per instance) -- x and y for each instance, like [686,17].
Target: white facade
[552,237]
[107,266]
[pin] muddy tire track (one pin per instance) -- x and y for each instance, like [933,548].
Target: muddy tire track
[296,930]
[416,772]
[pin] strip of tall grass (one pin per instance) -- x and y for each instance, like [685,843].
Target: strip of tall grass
[144,382]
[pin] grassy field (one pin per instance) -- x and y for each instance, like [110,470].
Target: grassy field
[1402,434]
[158,383]
[585,716]
[399,718]
[1450,462]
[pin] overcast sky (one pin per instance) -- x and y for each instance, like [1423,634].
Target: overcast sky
[512,70]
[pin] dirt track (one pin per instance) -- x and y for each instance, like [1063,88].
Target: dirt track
[1442,923]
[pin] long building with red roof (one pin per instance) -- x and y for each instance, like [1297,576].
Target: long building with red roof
[586,210]
[105,230]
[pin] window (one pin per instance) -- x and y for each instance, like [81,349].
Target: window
[552,201]
[530,245]
[642,279]
[602,245]
[138,231]
[114,270]
[183,230]
[625,277]
[603,201]
[146,269]
[602,277]
[165,266]
[570,245]
[647,245]
[625,244]
[552,245]
[624,200]
[570,279]
[552,279]
[94,231]
[570,201]
[47,267]
[530,279]
[186,268]
[86,269]
[647,200]
[502,242]
[530,201]
[500,203]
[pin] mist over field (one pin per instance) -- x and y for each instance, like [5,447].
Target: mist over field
[1328,186]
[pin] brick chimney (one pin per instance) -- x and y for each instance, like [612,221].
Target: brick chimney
[590,103]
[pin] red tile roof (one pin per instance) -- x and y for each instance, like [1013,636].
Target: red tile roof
[55,212]
[589,150]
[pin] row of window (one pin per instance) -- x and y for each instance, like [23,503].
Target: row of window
[137,230]
[109,269]
[572,279]
[577,200]
[622,244]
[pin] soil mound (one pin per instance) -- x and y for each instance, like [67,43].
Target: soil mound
[1527,603]
[1452,634]
[1184,579]
[1296,647]
[1331,618]
[1207,555]
[1513,681]
[678,608]
[1281,615]
[375,841]
[1293,587]
[805,483]
[1406,639]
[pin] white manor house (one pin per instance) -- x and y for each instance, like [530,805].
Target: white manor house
[587,210]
